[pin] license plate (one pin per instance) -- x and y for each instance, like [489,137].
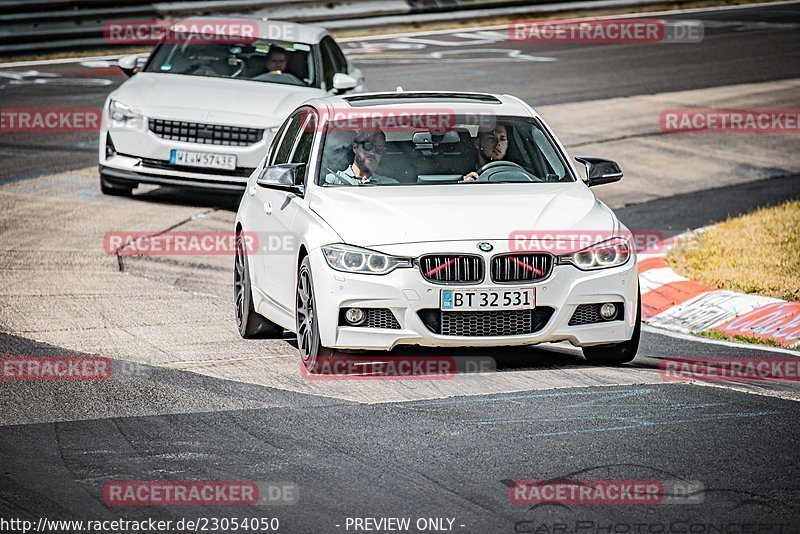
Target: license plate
[488,299]
[206,160]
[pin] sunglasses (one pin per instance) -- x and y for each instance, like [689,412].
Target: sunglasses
[372,147]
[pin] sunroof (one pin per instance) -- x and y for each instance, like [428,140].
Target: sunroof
[420,98]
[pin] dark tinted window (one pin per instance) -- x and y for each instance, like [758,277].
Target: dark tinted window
[302,152]
[333,60]
[238,61]
[289,137]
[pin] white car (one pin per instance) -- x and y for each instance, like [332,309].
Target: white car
[471,232]
[202,111]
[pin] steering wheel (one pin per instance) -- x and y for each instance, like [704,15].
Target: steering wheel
[279,77]
[496,167]
[203,70]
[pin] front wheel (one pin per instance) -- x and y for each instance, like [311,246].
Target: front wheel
[618,353]
[114,190]
[312,352]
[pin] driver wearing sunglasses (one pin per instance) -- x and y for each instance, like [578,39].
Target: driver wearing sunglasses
[368,150]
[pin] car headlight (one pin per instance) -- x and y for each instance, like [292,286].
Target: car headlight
[123,114]
[350,259]
[611,253]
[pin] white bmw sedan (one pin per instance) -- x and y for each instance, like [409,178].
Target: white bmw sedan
[204,108]
[431,219]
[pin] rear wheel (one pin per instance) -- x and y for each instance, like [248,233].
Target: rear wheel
[617,353]
[114,190]
[313,354]
[248,321]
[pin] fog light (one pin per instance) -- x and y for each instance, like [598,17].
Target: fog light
[608,311]
[110,150]
[355,316]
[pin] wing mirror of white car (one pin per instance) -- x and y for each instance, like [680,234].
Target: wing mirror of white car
[284,177]
[343,82]
[128,64]
[600,171]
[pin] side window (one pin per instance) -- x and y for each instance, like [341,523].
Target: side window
[273,145]
[333,60]
[302,151]
[327,62]
[289,137]
[339,61]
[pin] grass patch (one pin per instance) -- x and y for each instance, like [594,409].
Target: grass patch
[713,334]
[757,253]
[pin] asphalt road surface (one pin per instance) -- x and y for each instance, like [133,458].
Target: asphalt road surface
[194,402]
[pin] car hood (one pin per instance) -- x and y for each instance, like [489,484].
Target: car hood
[374,215]
[212,100]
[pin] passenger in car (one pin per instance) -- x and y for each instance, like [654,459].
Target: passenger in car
[276,59]
[492,146]
[276,68]
[368,150]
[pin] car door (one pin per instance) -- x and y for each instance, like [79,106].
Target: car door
[287,261]
[272,214]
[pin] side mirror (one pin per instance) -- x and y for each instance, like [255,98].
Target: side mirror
[600,171]
[343,82]
[128,64]
[284,177]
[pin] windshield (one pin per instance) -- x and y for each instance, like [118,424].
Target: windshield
[262,60]
[500,150]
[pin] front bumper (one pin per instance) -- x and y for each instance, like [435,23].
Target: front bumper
[137,155]
[405,293]
[134,174]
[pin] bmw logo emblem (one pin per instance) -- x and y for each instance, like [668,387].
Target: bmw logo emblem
[484,246]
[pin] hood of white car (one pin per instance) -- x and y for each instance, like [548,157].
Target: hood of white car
[371,216]
[212,100]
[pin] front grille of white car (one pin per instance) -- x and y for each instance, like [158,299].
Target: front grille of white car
[242,172]
[205,134]
[452,268]
[486,323]
[590,314]
[515,268]
[381,318]
[374,318]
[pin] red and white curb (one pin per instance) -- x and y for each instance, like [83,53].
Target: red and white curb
[675,303]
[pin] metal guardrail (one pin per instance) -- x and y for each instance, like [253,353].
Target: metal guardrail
[34,26]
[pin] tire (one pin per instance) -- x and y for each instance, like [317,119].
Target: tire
[115,190]
[312,353]
[618,353]
[248,321]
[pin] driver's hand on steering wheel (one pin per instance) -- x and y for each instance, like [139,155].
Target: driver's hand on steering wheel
[470,177]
